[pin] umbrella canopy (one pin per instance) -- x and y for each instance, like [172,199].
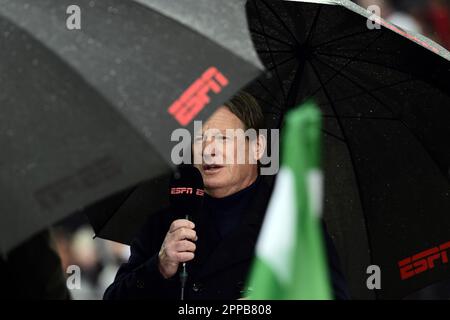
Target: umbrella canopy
[120,216]
[385,97]
[88,112]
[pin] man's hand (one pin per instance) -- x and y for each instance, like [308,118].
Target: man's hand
[177,247]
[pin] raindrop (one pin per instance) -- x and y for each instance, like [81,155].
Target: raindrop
[112,10]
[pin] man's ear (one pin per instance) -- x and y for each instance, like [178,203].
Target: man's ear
[259,146]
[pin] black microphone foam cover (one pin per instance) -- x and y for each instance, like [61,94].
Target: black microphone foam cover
[186,191]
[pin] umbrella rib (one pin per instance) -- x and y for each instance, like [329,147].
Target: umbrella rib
[275,65]
[297,76]
[268,46]
[333,135]
[272,68]
[294,84]
[313,26]
[367,91]
[341,38]
[398,118]
[346,64]
[272,38]
[352,159]
[281,21]
[363,60]
[270,94]
[374,90]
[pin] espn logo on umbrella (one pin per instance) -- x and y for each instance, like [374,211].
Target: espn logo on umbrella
[423,261]
[195,98]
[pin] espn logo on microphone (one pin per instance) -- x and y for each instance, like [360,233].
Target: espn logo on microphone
[423,261]
[184,190]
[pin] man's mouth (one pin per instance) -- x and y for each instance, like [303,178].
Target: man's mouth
[211,168]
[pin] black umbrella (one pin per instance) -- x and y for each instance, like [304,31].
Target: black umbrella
[89,112]
[385,97]
[120,216]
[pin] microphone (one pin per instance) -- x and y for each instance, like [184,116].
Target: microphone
[186,194]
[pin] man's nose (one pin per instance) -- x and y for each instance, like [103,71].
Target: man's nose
[209,148]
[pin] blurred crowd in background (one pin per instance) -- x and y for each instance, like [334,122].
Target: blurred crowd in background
[428,17]
[99,259]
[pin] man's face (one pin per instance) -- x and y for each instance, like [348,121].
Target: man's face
[220,175]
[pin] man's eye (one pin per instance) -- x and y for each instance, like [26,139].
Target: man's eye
[198,139]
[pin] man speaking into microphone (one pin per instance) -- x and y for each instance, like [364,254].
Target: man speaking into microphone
[213,252]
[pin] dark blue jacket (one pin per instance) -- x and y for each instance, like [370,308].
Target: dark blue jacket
[220,267]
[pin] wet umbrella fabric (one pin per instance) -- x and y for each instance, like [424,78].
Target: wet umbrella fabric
[385,97]
[88,112]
